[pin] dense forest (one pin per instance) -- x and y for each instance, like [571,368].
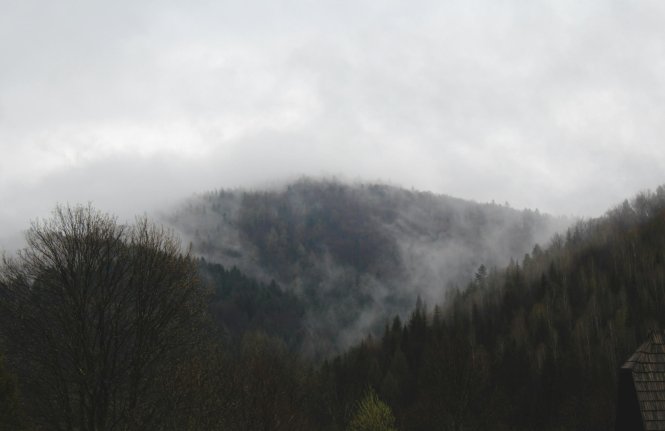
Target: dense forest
[534,346]
[241,304]
[356,255]
[112,327]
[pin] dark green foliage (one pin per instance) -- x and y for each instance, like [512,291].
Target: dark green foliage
[266,387]
[431,377]
[241,304]
[355,255]
[536,346]
[316,219]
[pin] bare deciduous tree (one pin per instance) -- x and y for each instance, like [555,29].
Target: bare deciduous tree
[95,314]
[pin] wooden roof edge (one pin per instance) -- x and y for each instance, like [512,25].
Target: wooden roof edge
[635,358]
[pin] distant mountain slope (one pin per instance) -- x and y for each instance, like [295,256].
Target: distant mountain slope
[356,254]
[536,345]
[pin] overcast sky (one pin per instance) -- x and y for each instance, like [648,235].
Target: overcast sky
[132,105]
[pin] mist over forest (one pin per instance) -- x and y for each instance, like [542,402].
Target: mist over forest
[334,215]
[327,305]
[357,254]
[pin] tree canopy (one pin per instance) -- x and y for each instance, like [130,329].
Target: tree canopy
[372,414]
[96,315]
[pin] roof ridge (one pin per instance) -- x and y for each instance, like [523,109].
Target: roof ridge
[647,368]
[656,336]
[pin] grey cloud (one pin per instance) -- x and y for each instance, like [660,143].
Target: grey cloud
[554,105]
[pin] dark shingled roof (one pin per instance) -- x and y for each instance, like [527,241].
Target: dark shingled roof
[647,366]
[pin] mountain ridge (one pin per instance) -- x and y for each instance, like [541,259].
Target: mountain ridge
[357,253]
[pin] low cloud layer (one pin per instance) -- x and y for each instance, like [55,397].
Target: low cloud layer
[555,105]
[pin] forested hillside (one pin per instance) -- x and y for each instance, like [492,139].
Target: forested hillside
[241,304]
[534,346]
[107,326]
[355,255]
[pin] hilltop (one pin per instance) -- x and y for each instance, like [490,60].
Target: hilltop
[356,254]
